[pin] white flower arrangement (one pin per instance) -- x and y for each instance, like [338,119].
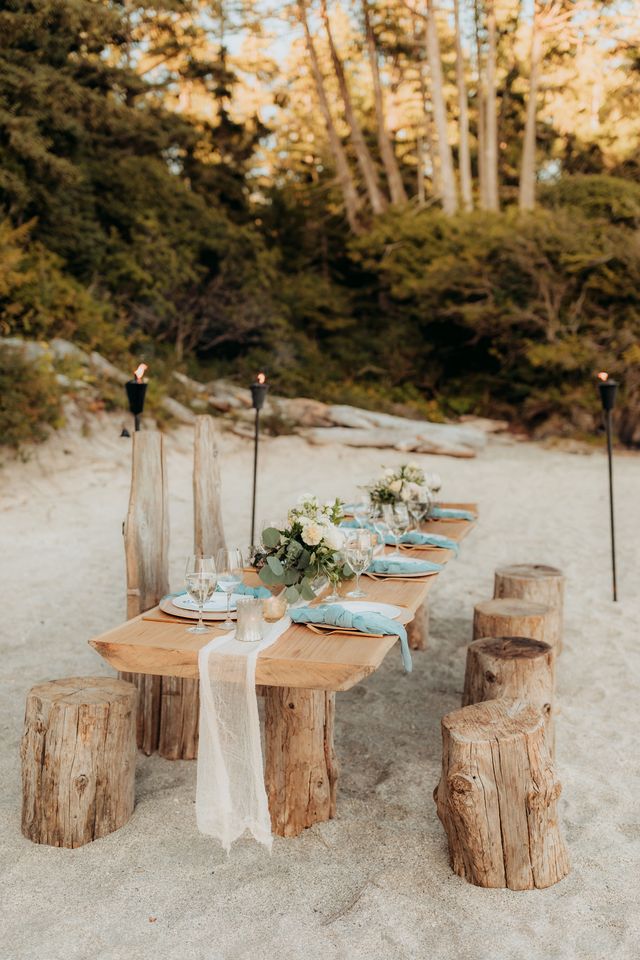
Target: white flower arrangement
[306,549]
[408,482]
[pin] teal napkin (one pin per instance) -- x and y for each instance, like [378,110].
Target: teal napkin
[398,565]
[338,616]
[413,537]
[447,513]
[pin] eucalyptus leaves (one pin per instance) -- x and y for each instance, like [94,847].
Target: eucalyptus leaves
[307,549]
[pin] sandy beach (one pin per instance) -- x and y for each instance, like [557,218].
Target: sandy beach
[375,883]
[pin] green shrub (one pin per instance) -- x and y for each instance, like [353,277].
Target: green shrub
[29,398]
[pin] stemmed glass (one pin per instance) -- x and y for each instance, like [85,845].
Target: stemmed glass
[361,511]
[359,554]
[229,565]
[200,579]
[420,509]
[397,518]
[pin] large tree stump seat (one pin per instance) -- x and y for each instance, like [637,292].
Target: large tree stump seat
[505,617]
[78,760]
[540,584]
[497,797]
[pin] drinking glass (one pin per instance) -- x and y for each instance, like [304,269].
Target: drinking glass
[229,565]
[397,518]
[361,511]
[250,620]
[420,508]
[200,579]
[359,554]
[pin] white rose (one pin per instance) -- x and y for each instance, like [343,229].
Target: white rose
[334,538]
[389,472]
[395,486]
[413,465]
[312,533]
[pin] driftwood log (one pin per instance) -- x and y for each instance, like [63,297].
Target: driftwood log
[207,490]
[418,629]
[497,797]
[167,717]
[301,769]
[509,618]
[540,584]
[78,760]
[512,667]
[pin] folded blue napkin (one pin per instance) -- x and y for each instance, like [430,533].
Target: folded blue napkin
[413,537]
[399,565]
[448,513]
[338,616]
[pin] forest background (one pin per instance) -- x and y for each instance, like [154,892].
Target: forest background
[426,206]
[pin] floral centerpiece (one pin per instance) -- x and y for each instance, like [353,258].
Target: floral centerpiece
[407,482]
[305,551]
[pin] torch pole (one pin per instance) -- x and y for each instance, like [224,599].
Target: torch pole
[136,422]
[609,428]
[255,476]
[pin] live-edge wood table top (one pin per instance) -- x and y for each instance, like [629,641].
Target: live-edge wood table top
[299,658]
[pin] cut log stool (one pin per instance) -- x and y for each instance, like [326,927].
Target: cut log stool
[509,618]
[418,628]
[514,667]
[301,770]
[78,760]
[497,797]
[540,584]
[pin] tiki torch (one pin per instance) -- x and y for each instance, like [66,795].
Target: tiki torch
[136,390]
[259,391]
[608,390]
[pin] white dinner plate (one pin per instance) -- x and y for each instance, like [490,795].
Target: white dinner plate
[217,603]
[372,606]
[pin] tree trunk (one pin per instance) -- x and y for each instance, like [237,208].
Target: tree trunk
[449,194]
[491,125]
[428,127]
[343,173]
[527,192]
[392,170]
[466,188]
[512,667]
[420,171]
[510,618]
[540,584]
[497,797]
[365,161]
[78,760]
[481,112]
[301,770]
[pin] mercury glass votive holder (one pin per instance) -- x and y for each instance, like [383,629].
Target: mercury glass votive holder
[250,623]
[274,607]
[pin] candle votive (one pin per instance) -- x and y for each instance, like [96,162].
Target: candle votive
[250,622]
[274,608]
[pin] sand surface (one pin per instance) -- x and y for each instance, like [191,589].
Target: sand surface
[374,883]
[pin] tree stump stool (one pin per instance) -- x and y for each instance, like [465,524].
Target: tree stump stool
[540,584]
[515,667]
[510,618]
[497,797]
[301,769]
[418,629]
[78,760]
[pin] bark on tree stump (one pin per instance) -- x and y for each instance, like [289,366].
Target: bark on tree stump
[540,584]
[497,797]
[301,769]
[514,667]
[78,760]
[509,618]
[418,629]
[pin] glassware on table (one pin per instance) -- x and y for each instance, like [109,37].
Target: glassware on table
[229,565]
[420,508]
[359,554]
[334,579]
[274,607]
[361,511]
[250,620]
[397,518]
[200,580]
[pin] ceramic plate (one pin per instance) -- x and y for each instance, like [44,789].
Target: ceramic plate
[217,603]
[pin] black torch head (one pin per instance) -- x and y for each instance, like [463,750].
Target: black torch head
[608,390]
[135,393]
[259,390]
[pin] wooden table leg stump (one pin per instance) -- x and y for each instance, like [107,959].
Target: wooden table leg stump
[510,618]
[78,760]
[301,770]
[515,667]
[497,797]
[418,628]
[540,584]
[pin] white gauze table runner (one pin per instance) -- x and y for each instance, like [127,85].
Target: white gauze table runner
[230,792]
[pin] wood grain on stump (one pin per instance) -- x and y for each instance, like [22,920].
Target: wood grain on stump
[509,618]
[78,760]
[540,584]
[418,629]
[515,667]
[497,797]
[301,769]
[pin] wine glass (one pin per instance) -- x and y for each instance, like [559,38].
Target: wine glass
[420,507]
[397,518]
[229,565]
[359,554]
[361,511]
[200,579]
